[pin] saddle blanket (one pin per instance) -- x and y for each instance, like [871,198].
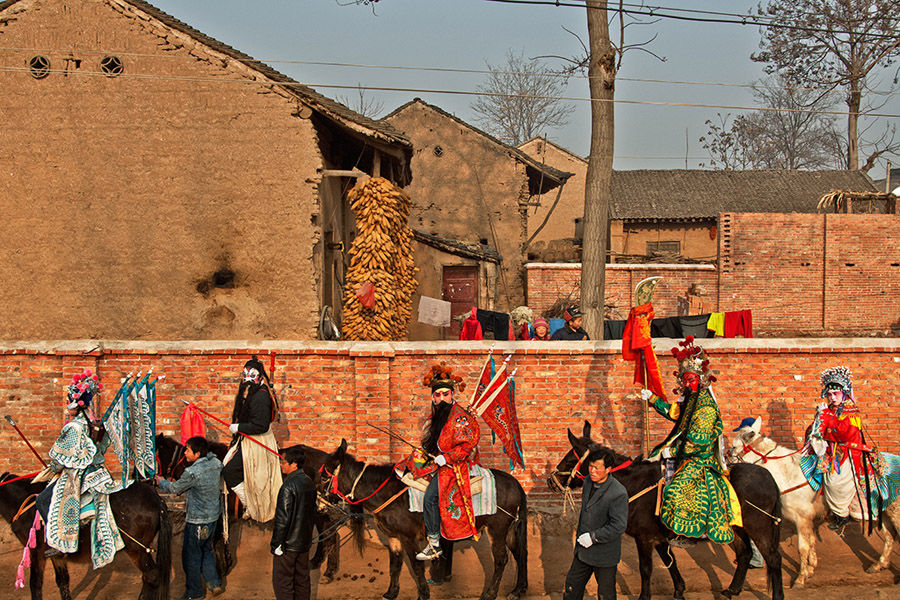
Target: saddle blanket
[484,503]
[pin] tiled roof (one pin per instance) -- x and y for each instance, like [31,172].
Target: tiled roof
[698,194]
[326,106]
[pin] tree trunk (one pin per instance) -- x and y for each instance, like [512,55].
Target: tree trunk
[602,81]
[853,102]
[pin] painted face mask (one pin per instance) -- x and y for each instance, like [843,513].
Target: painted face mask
[691,381]
[251,375]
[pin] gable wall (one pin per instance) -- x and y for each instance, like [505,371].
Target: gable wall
[561,224]
[123,195]
[471,192]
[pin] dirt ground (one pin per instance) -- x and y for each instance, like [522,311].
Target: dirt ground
[840,576]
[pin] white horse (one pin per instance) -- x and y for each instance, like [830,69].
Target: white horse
[800,504]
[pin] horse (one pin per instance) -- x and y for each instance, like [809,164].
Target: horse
[171,463]
[802,505]
[755,487]
[140,514]
[380,494]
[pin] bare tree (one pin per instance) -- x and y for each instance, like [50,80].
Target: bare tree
[833,44]
[521,100]
[367,107]
[792,130]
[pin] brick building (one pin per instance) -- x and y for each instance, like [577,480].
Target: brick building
[472,189]
[158,183]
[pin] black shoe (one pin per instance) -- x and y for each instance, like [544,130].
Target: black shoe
[837,523]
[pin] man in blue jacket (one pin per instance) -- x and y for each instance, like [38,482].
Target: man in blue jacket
[202,481]
[604,515]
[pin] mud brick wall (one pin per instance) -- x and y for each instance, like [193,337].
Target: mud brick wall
[549,281]
[330,391]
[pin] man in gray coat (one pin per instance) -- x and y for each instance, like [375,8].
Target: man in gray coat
[604,515]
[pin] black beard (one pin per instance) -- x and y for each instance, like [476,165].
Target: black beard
[440,412]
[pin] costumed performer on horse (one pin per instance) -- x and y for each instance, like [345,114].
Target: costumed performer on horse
[449,450]
[698,501]
[838,457]
[251,471]
[82,489]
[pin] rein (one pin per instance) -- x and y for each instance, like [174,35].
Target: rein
[748,448]
[334,486]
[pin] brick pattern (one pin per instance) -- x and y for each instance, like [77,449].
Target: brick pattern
[329,392]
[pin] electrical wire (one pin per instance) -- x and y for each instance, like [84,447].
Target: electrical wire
[411,90]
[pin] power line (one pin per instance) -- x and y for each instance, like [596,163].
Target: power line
[411,90]
[436,69]
[743,20]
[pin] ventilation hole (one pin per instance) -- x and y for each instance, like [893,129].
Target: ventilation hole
[39,66]
[805,264]
[849,264]
[223,278]
[111,66]
[483,241]
[895,264]
[438,151]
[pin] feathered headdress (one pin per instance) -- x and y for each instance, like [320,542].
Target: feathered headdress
[836,378]
[82,389]
[692,359]
[441,376]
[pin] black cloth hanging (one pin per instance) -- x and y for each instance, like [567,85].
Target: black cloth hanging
[668,327]
[695,325]
[496,323]
[613,330]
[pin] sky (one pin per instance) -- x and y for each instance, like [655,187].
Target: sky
[469,34]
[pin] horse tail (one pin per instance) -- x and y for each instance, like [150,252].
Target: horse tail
[521,545]
[357,527]
[164,551]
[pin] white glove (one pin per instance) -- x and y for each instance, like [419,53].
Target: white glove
[279,551]
[440,461]
[233,428]
[646,394]
[585,540]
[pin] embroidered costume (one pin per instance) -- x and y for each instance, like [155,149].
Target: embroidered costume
[699,500]
[82,490]
[837,457]
[251,471]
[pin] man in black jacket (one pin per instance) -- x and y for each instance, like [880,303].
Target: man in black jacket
[604,515]
[572,330]
[293,529]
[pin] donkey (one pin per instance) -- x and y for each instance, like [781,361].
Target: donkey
[760,507]
[381,494]
[140,514]
[802,505]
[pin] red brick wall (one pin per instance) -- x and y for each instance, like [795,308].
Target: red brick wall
[826,274]
[549,281]
[330,391]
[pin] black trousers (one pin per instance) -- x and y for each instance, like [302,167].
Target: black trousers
[233,473]
[290,576]
[580,573]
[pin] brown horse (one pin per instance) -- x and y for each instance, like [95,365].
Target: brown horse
[141,516]
[756,490]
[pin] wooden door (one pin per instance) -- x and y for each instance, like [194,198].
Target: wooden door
[459,287]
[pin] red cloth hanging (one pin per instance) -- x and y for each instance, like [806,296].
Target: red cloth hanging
[192,424]
[471,328]
[739,322]
[637,346]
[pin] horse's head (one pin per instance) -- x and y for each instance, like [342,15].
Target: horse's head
[571,470]
[743,440]
[331,469]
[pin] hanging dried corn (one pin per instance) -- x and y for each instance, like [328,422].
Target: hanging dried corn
[381,255]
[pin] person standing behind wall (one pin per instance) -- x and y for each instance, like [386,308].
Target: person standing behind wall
[292,534]
[601,523]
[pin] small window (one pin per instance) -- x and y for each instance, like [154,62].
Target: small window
[39,66]
[111,66]
[667,247]
[438,151]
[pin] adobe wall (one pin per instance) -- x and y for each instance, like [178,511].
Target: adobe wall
[331,390]
[470,192]
[146,184]
[561,224]
[698,240]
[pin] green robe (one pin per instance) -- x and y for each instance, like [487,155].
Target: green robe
[699,500]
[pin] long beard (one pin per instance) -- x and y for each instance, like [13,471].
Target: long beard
[439,414]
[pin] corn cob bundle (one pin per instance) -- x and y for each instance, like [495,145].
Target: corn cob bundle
[380,254]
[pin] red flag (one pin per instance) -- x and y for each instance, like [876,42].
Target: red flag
[637,345]
[498,410]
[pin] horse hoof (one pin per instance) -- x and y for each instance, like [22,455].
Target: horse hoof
[799,584]
[874,568]
[727,594]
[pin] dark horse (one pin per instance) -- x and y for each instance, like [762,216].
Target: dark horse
[171,463]
[140,514]
[377,484]
[753,484]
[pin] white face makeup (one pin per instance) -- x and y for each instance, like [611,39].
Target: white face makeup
[250,375]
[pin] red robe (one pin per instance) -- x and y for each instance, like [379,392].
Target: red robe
[458,443]
[843,435]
